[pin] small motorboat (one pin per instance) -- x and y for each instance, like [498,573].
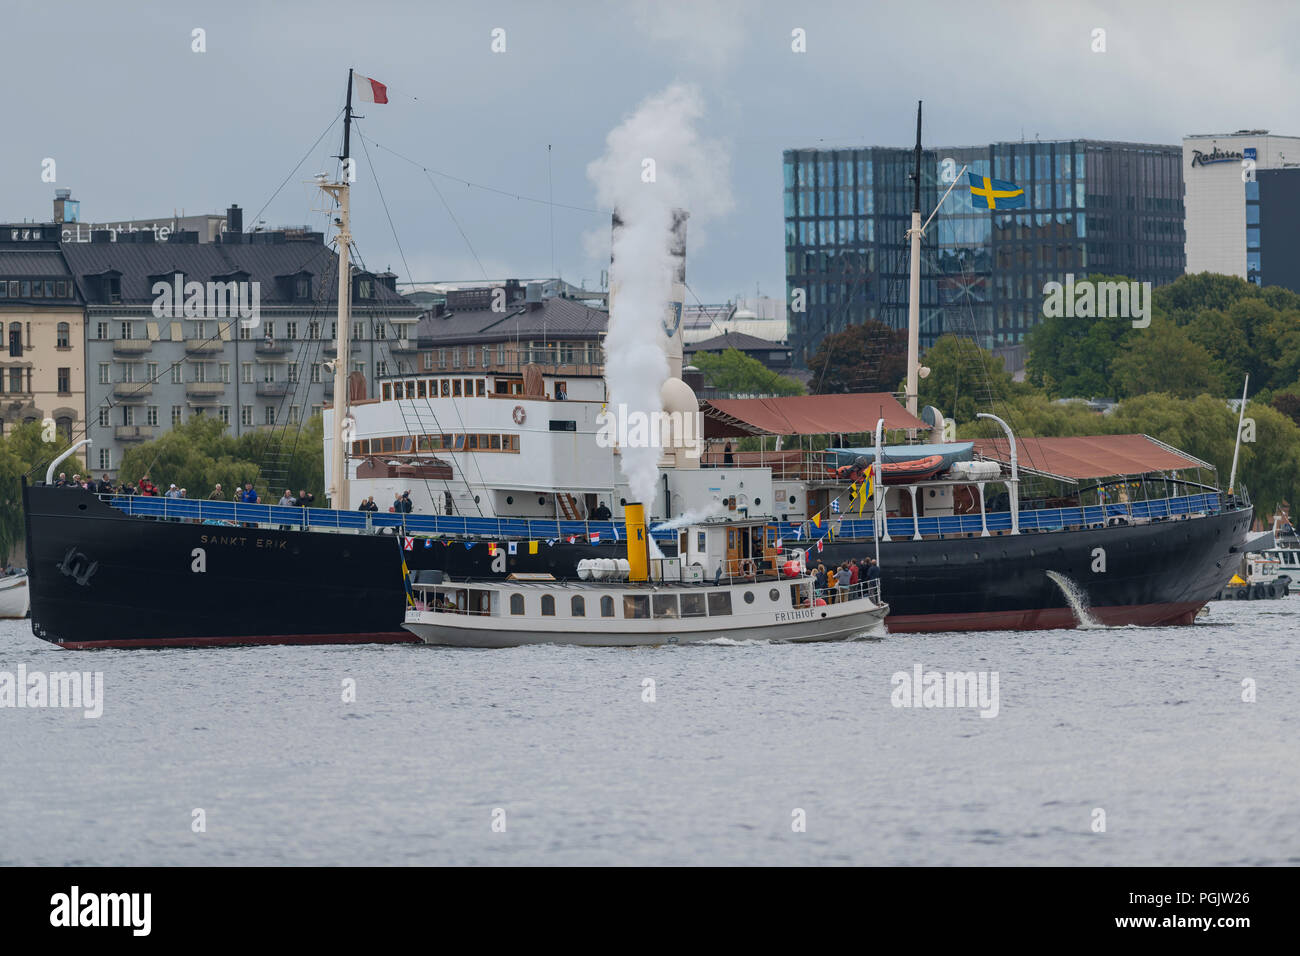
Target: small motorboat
[919,469]
[15,595]
[660,602]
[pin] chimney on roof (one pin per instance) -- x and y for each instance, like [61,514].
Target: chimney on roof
[234,219]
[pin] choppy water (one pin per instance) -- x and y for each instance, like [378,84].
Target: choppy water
[1148,725]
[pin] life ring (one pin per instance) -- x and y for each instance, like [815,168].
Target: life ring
[519,415]
[747,569]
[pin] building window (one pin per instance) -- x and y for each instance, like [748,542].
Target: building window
[291,330]
[151,415]
[246,373]
[15,380]
[178,373]
[313,330]
[105,373]
[380,331]
[176,415]
[15,340]
[293,372]
[101,330]
[315,372]
[246,415]
[245,332]
[103,417]
[151,371]
[295,414]
[224,370]
[127,330]
[268,373]
[365,289]
[65,381]
[302,287]
[223,413]
[270,414]
[381,368]
[106,459]
[63,337]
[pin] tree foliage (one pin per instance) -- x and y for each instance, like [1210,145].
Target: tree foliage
[871,357]
[964,379]
[24,452]
[735,372]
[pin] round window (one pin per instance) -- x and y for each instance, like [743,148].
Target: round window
[749,597]
[510,499]
[476,499]
[757,502]
[541,501]
[774,594]
[792,499]
[622,502]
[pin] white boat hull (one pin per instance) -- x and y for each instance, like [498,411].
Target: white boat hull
[15,596]
[829,623]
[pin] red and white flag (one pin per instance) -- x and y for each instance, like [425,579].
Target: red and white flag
[820,545]
[410,543]
[572,539]
[370,91]
[595,537]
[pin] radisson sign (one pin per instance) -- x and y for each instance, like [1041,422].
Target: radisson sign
[1215,155]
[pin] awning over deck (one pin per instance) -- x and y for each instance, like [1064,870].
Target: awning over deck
[1089,456]
[847,414]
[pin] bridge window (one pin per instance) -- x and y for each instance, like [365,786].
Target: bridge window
[516,604]
[719,603]
[607,606]
[548,605]
[578,606]
[636,605]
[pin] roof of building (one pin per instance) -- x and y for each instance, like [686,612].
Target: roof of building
[141,263]
[552,318]
[33,262]
[846,414]
[1090,456]
[734,340]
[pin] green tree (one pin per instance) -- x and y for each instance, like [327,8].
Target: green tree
[1071,356]
[1164,358]
[24,452]
[964,379]
[735,372]
[871,357]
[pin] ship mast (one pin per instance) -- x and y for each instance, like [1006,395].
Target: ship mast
[914,276]
[338,490]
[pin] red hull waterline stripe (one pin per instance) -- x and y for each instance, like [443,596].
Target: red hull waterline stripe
[1141,615]
[391,637]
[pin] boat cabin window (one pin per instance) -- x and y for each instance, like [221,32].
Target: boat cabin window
[577,606]
[607,606]
[516,604]
[548,605]
[719,603]
[693,605]
[388,391]
[665,605]
[636,605]
[798,595]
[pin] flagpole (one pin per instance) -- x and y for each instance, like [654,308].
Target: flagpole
[338,491]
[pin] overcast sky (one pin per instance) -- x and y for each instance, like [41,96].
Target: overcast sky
[139,125]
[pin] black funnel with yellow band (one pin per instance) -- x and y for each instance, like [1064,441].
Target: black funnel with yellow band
[638,547]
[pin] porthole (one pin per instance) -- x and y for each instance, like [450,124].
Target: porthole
[792,499]
[622,502]
[757,502]
[541,501]
[510,499]
[774,594]
[749,597]
[476,499]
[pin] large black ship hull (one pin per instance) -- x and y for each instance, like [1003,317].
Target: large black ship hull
[102,579]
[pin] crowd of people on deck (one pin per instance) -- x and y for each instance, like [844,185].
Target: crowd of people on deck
[847,580]
[145,487]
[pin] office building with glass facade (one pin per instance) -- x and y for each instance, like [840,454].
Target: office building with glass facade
[1092,207]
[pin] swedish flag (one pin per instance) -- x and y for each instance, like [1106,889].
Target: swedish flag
[986,193]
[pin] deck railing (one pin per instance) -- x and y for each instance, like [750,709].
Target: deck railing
[607,532]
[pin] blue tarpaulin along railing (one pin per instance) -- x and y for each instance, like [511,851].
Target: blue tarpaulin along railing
[521,529]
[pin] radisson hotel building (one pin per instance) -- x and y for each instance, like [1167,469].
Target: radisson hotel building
[1243,206]
[1093,207]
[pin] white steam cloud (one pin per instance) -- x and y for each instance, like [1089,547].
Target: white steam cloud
[711,510]
[654,162]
